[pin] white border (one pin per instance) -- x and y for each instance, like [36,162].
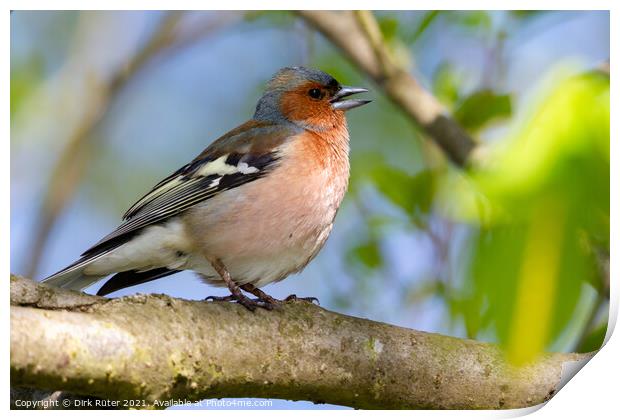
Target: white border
[593,393]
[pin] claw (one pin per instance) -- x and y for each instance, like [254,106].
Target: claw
[294,298]
[228,298]
[250,304]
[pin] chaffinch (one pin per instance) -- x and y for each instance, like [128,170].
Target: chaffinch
[255,206]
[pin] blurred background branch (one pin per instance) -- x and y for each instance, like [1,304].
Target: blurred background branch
[357,34]
[167,38]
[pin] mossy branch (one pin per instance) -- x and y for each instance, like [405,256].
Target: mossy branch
[155,348]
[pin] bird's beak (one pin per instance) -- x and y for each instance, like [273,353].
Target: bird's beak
[346,104]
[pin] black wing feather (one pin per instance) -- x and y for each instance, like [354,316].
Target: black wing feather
[188,189]
[133,278]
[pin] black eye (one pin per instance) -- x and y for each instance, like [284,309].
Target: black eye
[315,93]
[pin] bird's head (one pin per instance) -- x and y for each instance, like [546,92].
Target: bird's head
[306,97]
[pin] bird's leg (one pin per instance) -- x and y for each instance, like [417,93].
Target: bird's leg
[235,291]
[260,294]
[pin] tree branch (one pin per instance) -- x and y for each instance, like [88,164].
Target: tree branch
[155,348]
[358,36]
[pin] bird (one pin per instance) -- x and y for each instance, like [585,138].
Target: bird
[255,206]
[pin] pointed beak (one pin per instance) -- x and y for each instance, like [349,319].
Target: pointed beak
[345,104]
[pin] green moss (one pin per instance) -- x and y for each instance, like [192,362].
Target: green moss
[215,371]
[374,347]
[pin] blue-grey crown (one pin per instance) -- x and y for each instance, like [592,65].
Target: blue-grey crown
[285,79]
[306,74]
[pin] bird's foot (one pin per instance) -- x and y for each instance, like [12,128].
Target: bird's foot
[236,295]
[263,300]
[248,303]
[295,298]
[262,296]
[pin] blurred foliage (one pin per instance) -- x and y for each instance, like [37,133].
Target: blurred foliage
[481,108]
[425,22]
[475,20]
[411,193]
[406,27]
[368,253]
[24,79]
[549,190]
[537,210]
[410,27]
[474,111]
[446,84]
[277,18]
[593,340]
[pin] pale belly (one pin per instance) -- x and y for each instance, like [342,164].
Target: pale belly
[267,265]
[263,232]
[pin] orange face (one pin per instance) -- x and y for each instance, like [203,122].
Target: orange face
[309,105]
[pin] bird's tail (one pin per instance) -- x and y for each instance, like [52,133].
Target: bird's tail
[73,277]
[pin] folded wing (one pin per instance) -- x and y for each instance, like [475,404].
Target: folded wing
[241,156]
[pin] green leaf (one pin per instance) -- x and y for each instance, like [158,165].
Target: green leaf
[24,79]
[412,193]
[481,108]
[388,26]
[367,253]
[427,20]
[446,84]
[478,20]
[594,340]
[277,18]
[491,284]
[527,14]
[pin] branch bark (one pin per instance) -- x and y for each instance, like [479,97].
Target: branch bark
[358,36]
[156,348]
